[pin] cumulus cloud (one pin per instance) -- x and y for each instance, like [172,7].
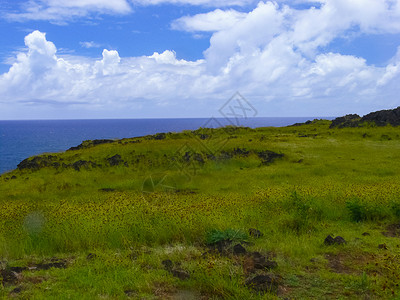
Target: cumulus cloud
[273,55]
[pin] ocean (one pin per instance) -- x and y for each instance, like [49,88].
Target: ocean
[22,139]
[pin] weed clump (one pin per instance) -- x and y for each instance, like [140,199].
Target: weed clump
[365,212]
[216,236]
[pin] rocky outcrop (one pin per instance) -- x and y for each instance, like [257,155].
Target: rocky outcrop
[379,118]
[384,117]
[91,143]
[346,121]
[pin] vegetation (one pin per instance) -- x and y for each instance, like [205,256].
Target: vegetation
[229,213]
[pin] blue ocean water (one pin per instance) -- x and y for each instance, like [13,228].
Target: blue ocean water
[22,139]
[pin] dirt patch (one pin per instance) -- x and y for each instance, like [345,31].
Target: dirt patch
[186,295]
[337,264]
[347,263]
[163,290]
[393,230]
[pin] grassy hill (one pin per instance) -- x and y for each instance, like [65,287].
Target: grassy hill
[229,213]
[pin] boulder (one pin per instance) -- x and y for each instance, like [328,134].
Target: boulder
[329,240]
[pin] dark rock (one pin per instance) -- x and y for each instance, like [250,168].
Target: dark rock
[13,177]
[365,234]
[382,246]
[262,263]
[107,190]
[264,283]
[308,122]
[83,163]
[334,241]
[199,158]
[115,160]
[329,240]
[168,264]
[204,136]
[255,233]
[352,120]
[268,156]
[58,264]
[221,246]
[181,274]
[240,152]
[130,293]
[339,240]
[91,256]
[239,249]
[160,136]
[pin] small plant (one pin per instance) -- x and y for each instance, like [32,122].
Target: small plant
[214,236]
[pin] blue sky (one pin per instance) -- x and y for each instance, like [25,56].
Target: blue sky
[66,59]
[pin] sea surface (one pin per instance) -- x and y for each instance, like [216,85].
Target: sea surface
[22,139]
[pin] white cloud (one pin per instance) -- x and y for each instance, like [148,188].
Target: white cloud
[212,21]
[250,34]
[90,44]
[60,11]
[209,3]
[272,55]
[392,70]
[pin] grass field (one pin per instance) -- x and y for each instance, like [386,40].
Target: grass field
[230,213]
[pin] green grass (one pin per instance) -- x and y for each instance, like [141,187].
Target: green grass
[174,195]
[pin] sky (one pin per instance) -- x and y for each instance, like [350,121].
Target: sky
[89,59]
